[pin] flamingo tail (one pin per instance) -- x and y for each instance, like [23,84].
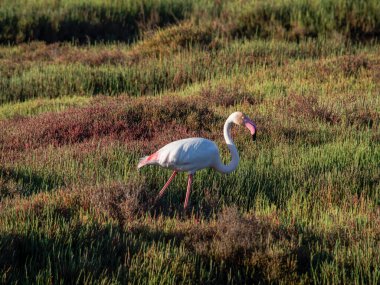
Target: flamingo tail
[143,161]
[147,160]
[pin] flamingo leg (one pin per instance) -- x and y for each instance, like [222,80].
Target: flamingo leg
[189,181]
[161,193]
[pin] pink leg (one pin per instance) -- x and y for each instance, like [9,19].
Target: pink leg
[166,185]
[190,180]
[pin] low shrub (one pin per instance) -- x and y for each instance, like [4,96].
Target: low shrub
[226,97]
[308,107]
[118,119]
[247,241]
[171,39]
[120,201]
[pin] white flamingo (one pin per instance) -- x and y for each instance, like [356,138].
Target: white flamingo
[193,154]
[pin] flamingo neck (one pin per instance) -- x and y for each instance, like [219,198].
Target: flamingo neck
[231,146]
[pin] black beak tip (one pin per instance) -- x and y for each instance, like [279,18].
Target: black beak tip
[254,137]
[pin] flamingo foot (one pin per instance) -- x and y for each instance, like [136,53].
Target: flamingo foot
[161,193]
[189,181]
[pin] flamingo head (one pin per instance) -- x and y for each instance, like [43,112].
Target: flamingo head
[241,119]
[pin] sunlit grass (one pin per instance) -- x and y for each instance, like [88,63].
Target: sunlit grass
[40,105]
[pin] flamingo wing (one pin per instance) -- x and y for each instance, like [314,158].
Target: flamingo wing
[184,155]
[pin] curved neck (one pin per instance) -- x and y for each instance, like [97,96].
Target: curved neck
[231,146]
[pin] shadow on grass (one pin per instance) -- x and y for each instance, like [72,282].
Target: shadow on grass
[25,182]
[69,257]
[93,252]
[305,250]
[102,254]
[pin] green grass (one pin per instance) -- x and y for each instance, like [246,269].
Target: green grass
[85,21]
[302,207]
[50,74]
[41,105]
[89,21]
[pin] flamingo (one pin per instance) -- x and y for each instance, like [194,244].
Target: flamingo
[192,154]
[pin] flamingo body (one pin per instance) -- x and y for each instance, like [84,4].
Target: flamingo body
[187,155]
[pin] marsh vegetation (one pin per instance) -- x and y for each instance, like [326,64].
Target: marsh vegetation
[88,87]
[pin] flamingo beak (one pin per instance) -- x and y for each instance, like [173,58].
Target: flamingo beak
[251,126]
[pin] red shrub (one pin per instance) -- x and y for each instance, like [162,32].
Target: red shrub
[308,107]
[222,96]
[118,119]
